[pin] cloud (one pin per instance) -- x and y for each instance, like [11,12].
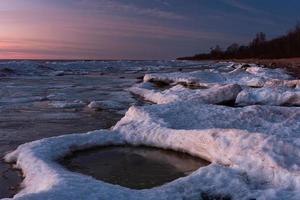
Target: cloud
[117,6]
[242,6]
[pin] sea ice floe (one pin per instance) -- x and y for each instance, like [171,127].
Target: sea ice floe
[213,95]
[65,104]
[58,73]
[269,96]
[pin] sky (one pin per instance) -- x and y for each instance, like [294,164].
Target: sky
[135,29]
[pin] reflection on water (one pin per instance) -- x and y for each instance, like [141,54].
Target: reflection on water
[133,167]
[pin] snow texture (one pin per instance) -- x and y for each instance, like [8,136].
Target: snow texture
[213,95]
[270,96]
[252,77]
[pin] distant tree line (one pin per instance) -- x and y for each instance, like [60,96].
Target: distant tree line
[286,46]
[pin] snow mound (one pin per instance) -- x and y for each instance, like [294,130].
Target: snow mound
[45,179]
[269,96]
[260,142]
[213,95]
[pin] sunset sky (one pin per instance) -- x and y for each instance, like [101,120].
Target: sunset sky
[135,29]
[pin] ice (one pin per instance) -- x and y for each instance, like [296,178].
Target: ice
[213,95]
[58,73]
[260,141]
[250,158]
[249,77]
[254,149]
[57,97]
[102,105]
[269,96]
[202,78]
[56,182]
[65,104]
[277,73]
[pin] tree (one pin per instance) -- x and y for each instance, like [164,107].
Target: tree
[285,46]
[259,39]
[233,48]
[216,52]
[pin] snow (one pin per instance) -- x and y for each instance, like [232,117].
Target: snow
[250,77]
[269,96]
[213,95]
[254,150]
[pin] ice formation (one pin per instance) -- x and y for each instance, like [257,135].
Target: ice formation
[251,77]
[280,96]
[213,95]
[102,105]
[65,104]
[254,150]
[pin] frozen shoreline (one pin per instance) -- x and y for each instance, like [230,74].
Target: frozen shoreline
[255,149]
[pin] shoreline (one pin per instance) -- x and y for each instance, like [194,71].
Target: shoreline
[292,65]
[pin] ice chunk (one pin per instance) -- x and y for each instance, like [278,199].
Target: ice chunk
[269,96]
[65,104]
[214,95]
[102,105]
[58,73]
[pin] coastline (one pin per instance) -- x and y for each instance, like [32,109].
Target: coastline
[253,144]
[292,65]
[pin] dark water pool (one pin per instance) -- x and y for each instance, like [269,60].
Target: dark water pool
[133,167]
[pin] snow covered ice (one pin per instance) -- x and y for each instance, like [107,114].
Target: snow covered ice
[253,144]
